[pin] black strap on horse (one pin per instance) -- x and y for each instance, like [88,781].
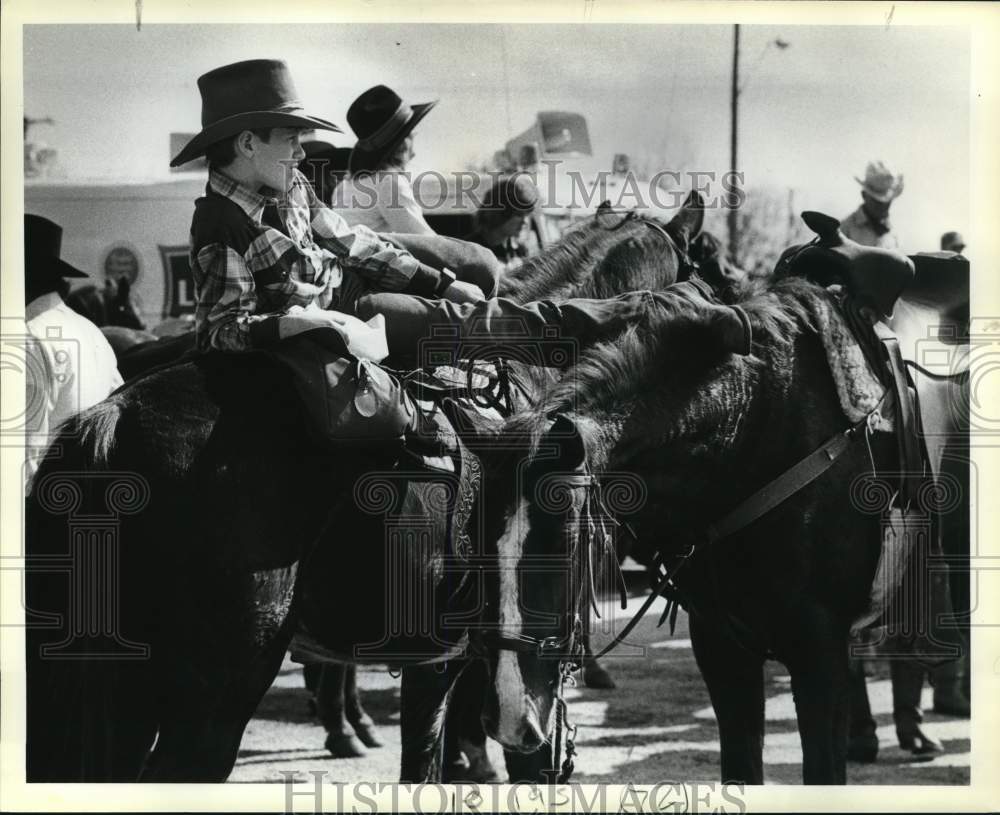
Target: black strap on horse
[768,497]
[687,266]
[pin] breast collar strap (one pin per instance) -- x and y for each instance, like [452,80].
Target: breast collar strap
[768,497]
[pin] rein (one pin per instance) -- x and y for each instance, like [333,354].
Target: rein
[767,498]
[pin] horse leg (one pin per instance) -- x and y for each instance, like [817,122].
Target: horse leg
[340,741]
[862,740]
[735,680]
[200,734]
[464,732]
[423,700]
[362,723]
[819,673]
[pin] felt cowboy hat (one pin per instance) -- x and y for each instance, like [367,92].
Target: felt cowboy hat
[42,246]
[381,120]
[880,182]
[258,93]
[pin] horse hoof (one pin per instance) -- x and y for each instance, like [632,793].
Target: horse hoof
[862,750]
[368,735]
[598,678]
[344,745]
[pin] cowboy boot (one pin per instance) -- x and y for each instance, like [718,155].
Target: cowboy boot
[907,684]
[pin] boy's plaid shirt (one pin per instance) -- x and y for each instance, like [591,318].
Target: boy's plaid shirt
[243,289]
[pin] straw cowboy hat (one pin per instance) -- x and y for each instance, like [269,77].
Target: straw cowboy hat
[42,247]
[258,93]
[381,120]
[880,182]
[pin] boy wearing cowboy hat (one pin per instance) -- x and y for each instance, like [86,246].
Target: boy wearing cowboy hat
[869,223]
[69,364]
[270,260]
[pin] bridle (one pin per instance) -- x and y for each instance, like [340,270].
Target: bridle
[686,265]
[568,649]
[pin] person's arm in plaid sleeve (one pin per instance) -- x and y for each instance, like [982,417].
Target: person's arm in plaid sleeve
[359,248]
[226,317]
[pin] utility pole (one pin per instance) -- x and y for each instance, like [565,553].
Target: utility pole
[734,238]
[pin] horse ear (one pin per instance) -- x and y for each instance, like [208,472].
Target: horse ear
[687,223]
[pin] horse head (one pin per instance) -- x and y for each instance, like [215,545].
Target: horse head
[547,558]
[653,255]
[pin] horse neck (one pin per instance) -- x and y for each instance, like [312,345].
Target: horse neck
[566,269]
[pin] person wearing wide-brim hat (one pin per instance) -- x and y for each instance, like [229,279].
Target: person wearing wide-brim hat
[379,194]
[271,261]
[869,223]
[69,364]
[257,94]
[263,246]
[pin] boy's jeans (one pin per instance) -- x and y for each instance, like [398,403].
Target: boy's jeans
[415,326]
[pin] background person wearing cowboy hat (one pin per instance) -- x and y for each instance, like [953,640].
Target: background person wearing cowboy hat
[869,223]
[270,260]
[69,364]
[378,193]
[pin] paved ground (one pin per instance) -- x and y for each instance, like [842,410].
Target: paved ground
[656,726]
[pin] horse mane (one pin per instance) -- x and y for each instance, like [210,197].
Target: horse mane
[567,267]
[611,374]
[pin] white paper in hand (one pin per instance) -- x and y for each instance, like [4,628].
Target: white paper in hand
[365,340]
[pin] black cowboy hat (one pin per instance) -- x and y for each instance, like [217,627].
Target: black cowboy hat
[42,246]
[258,93]
[381,120]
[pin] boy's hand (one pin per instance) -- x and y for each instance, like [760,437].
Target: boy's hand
[459,292]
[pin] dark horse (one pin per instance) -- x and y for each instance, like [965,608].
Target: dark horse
[214,498]
[704,429]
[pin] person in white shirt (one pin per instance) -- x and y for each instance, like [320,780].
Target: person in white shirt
[69,365]
[378,192]
[869,223]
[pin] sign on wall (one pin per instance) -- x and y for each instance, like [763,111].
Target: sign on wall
[178,294]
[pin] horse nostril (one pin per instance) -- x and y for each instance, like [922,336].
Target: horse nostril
[532,738]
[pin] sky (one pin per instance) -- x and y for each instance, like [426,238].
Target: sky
[811,115]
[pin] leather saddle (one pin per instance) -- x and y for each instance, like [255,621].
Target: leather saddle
[920,309]
[874,277]
[910,316]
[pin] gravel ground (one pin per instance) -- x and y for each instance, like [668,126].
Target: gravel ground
[656,726]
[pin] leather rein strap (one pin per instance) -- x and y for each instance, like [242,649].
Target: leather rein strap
[771,495]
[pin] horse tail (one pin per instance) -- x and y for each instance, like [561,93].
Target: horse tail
[96,430]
